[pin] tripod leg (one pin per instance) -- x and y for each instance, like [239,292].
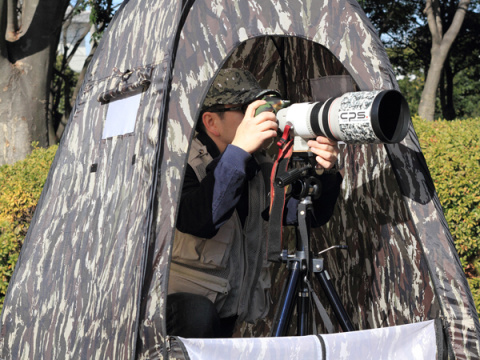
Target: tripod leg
[303,307]
[335,301]
[287,303]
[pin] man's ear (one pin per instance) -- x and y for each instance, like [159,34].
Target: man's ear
[210,121]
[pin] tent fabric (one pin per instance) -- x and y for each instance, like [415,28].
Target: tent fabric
[92,276]
[449,281]
[76,288]
[384,245]
[411,341]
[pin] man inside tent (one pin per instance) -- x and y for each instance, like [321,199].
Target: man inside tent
[219,274]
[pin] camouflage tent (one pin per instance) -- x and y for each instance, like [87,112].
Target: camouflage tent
[92,274]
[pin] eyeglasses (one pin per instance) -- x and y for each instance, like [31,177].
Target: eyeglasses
[241,108]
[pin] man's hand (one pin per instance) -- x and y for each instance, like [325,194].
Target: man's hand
[326,151]
[254,130]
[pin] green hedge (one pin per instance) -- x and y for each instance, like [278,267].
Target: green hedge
[451,149]
[475,287]
[20,188]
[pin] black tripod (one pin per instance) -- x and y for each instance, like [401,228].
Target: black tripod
[305,186]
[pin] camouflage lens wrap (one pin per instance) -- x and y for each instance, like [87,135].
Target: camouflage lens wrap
[274,104]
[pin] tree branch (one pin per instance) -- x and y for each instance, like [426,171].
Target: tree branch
[3,29]
[456,25]
[77,44]
[48,17]
[12,20]
[68,53]
[434,20]
[19,20]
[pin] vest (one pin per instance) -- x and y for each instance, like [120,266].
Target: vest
[231,268]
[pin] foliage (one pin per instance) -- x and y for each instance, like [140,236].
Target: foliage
[411,86]
[452,152]
[395,21]
[403,28]
[466,92]
[20,188]
[101,15]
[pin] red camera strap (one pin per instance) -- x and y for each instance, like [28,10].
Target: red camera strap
[277,196]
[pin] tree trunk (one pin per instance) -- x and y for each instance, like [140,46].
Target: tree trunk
[441,45]
[26,60]
[448,109]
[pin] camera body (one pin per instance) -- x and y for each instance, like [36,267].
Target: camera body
[362,117]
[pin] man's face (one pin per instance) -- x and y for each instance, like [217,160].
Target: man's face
[229,121]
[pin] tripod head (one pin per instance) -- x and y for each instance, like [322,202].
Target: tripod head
[303,177]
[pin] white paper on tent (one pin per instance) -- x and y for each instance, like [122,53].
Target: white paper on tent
[121,116]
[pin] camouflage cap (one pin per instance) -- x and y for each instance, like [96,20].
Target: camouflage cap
[234,86]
